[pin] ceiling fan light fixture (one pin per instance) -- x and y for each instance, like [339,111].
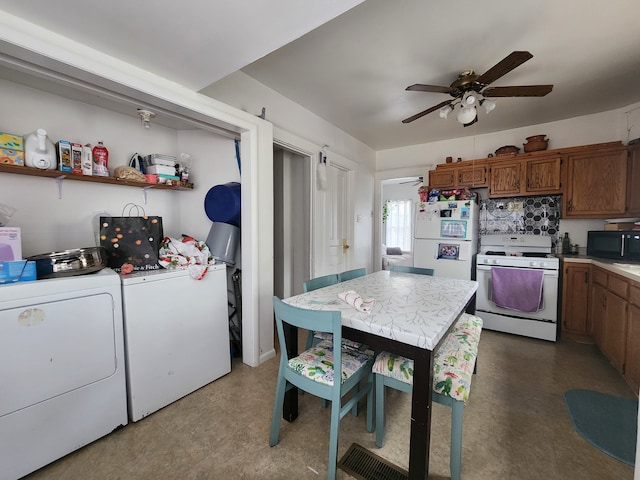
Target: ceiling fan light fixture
[467,115]
[445,111]
[471,99]
[489,105]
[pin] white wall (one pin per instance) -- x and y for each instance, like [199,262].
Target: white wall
[49,223]
[303,131]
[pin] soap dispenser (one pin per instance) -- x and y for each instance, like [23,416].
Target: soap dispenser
[40,152]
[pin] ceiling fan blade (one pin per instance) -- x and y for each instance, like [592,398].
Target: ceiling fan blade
[419,87]
[427,111]
[518,91]
[504,66]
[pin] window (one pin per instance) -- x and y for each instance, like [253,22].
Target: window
[398,224]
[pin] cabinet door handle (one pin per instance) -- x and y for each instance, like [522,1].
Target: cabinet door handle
[586,277]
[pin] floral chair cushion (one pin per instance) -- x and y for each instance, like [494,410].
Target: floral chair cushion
[316,363]
[453,363]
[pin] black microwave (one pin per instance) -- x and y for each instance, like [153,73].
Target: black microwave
[617,245]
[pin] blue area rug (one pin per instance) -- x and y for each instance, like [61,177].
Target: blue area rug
[608,422]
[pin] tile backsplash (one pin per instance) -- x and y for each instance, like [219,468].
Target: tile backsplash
[528,215]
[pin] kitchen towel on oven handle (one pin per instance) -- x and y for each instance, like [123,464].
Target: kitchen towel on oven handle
[517,289]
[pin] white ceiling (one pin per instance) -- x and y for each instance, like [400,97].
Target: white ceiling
[353,70]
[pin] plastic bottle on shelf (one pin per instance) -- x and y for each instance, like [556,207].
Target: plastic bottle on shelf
[566,244]
[100,160]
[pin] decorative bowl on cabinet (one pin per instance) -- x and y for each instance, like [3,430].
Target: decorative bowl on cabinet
[536,143]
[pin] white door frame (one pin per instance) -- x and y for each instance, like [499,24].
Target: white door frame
[309,149]
[416,171]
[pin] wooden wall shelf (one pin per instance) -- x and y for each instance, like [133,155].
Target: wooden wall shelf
[56,174]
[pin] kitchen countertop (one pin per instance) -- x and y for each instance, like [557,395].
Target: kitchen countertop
[627,269]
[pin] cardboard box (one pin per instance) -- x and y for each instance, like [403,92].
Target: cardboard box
[17,271]
[11,142]
[10,244]
[76,158]
[64,156]
[619,226]
[160,170]
[11,157]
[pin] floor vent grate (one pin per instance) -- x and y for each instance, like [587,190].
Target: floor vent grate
[365,465]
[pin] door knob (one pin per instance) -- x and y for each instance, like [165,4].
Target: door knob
[345,246]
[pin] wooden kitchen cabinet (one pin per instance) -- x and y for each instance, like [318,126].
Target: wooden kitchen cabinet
[633,181]
[442,178]
[609,308]
[575,289]
[632,360]
[473,176]
[465,174]
[596,183]
[526,175]
[597,312]
[543,175]
[505,178]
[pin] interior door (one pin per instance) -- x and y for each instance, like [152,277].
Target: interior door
[335,220]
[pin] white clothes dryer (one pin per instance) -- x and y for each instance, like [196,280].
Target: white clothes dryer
[62,368]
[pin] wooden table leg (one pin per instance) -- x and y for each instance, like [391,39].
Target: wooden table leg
[290,407]
[421,416]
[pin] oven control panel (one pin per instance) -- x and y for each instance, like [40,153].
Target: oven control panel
[518,262]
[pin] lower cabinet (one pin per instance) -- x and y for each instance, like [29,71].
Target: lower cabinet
[575,289]
[603,307]
[632,365]
[609,308]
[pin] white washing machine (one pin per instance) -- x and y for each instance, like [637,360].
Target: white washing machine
[176,335]
[62,368]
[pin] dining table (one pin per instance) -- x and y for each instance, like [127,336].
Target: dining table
[410,316]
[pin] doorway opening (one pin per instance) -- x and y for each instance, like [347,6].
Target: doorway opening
[291,221]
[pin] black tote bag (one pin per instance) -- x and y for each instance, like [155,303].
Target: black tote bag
[133,239]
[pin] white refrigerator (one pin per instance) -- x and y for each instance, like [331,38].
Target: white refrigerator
[446,237]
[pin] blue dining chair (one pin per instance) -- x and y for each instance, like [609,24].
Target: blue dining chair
[453,368]
[319,282]
[318,369]
[417,270]
[314,284]
[349,274]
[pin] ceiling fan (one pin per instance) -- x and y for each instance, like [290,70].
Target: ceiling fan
[471,90]
[415,181]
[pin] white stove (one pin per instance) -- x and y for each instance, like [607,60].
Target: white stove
[521,251]
[528,260]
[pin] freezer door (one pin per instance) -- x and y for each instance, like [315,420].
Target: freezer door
[451,259]
[456,219]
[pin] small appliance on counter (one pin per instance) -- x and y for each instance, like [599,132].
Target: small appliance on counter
[616,245]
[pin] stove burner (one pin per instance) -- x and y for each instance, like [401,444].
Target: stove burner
[535,254]
[496,253]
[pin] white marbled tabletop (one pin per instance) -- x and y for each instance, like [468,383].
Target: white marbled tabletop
[409,308]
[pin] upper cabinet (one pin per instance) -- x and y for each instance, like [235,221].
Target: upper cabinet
[633,181]
[543,175]
[472,174]
[596,183]
[506,178]
[526,175]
